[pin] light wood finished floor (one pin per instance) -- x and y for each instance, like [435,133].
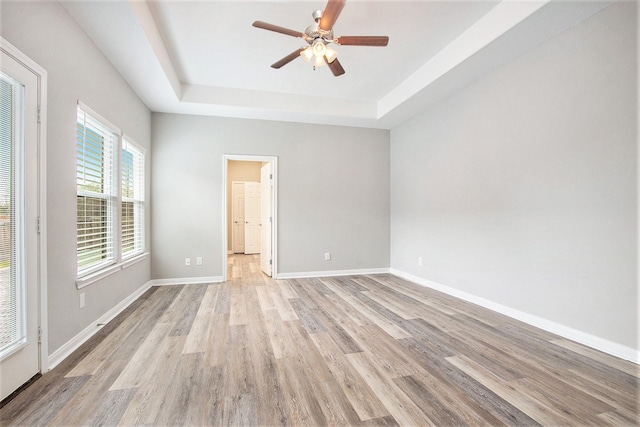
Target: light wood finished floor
[359,350]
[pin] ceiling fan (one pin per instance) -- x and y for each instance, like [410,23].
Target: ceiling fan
[319,36]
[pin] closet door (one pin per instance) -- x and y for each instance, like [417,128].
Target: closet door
[251,217]
[237,215]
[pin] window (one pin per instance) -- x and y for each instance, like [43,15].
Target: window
[12,280]
[132,212]
[110,196]
[97,193]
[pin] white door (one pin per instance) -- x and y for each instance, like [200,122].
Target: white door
[19,323]
[251,217]
[266,186]
[237,214]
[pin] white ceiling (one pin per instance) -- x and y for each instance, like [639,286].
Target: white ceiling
[205,57]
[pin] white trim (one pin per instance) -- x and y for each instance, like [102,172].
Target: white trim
[307,274]
[587,339]
[493,25]
[106,123]
[109,270]
[128,262]
[139,202]
[99,274]
[41,74]
[637,187]
[131,141]
[274,206]
[72,345]
[186,281]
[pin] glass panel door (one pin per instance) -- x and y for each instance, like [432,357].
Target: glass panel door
[12,295]
[19,308]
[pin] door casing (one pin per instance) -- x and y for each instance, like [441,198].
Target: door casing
[265,220]
[274,206]
[41,76]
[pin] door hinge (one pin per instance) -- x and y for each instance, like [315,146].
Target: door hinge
[270,176]
[270,262]
[38,225]
[39,111]
[270,219]
[39,335]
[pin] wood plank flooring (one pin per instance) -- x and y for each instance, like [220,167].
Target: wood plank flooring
[359,350]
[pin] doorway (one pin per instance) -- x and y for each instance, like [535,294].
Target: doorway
[246,207]
[250,209]
[23,347]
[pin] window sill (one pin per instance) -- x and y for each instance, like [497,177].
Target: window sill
[128,262]
[108,271]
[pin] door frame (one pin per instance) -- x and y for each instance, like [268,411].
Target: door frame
[41,75]
[274,207]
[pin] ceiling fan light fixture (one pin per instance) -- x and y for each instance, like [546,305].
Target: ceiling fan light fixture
[307,54]
[331,55]
[319,48]
[318,61]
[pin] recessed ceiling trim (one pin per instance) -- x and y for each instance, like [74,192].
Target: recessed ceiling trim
[130,38]
[496,22]
[282,102]
[148,25]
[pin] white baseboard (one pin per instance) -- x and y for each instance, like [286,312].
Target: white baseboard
[592,341]
[186,281]
[72,345]
[308,274]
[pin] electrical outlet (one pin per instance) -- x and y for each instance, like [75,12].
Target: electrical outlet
[420,261]
[187,261]
[82,300]
[327,256]
[199,260]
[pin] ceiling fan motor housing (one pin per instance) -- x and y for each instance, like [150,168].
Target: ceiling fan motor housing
[313,33]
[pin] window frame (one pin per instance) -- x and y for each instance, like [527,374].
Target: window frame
[138,199]
[120,260]
[109,192]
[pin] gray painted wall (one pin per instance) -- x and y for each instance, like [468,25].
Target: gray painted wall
[77,70]
[333,192]
[521,188]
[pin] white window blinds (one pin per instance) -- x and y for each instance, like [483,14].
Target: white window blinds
[97,193]
[132,212]
[12,281]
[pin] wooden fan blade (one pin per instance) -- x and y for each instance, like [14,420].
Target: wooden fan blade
[363,40]
[335,67]
[277,29]
[284,61]
[331,13]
